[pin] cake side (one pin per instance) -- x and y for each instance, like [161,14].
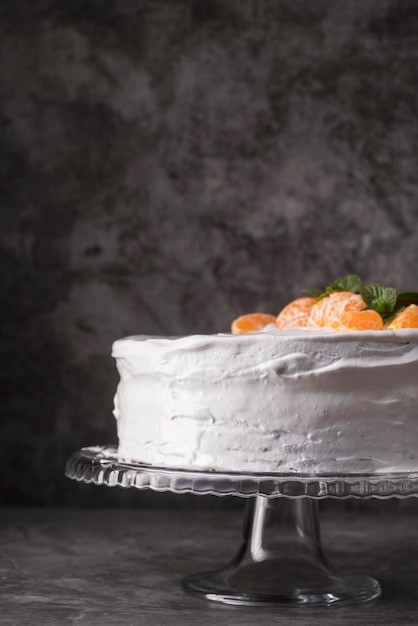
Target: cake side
[275,401]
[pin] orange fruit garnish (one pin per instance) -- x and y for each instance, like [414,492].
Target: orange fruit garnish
[333,306]
[357,320]
[251,323]
[408,318]
[296,313]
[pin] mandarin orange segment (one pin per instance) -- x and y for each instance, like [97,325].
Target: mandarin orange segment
[357,320]
[296,313]
[408,318]
[333,306]
[251,323]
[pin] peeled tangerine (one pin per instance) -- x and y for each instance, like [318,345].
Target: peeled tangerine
[333,306]
[408,318]
[251,323]
[341,311]
[357,320]
[296,313]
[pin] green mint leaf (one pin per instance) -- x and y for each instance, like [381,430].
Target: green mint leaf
[380,299]
[405,298]
[350,282]
[313,292]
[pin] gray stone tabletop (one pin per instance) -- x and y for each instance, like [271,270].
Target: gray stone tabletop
[123,567]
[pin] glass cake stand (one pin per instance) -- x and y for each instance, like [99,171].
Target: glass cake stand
[280,560]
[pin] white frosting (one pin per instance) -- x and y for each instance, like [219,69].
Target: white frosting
[276,401]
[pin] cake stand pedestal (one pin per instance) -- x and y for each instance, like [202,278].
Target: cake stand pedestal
[280,560]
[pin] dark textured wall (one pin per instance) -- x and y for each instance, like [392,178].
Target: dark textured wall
[167,165]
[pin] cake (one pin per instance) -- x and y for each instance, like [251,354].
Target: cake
[274,401]
[291,397]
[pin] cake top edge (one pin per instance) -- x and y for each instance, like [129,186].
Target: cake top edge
[271,334]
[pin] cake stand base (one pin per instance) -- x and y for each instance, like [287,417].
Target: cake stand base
[281,562]
[281,559]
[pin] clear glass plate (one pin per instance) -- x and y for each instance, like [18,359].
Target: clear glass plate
[102,466]
[280,560]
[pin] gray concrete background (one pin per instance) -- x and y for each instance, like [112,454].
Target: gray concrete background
[167,165]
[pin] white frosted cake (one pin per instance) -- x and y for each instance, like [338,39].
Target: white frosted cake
[286,401]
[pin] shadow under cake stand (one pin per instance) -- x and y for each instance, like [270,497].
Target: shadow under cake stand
[280,560]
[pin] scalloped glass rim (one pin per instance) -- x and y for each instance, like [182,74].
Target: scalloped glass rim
[101,465]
